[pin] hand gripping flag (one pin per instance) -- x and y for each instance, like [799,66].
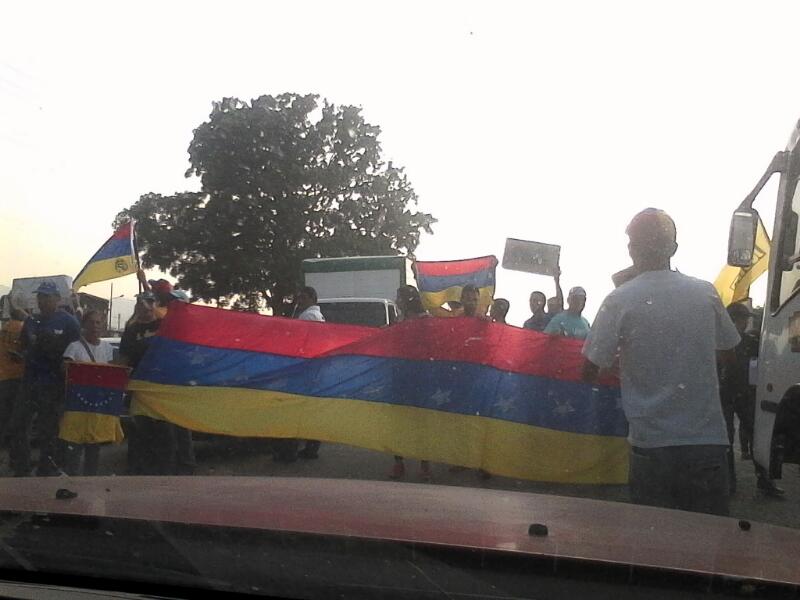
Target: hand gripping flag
[460,391]
[115,258]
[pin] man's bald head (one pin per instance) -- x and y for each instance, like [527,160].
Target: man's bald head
[652,239]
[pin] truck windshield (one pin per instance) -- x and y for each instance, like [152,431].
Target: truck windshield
[371,314]
[407,275]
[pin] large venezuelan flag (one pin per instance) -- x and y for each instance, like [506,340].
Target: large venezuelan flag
[115,258]
[460,391]
[442,281]
[93,404]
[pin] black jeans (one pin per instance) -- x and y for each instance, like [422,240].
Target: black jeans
[156,441]
[160,448]
[185,461]
[9,389]
[73,454]
[693,478]
[742,403]
[285,449]
[46,400]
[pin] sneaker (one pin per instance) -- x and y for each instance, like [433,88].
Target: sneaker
[398,471]
[769,488]
[425,471]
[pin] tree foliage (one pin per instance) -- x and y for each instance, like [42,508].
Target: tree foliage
[282,179]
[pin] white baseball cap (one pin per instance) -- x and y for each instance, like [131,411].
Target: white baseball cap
[577,291]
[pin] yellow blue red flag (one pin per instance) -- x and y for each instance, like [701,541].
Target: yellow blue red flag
[93,403]
[116,258]
[442,281]
[460,391]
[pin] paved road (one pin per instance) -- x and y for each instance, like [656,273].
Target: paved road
[253,458]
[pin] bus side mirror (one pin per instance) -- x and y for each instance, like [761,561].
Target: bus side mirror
[742,238]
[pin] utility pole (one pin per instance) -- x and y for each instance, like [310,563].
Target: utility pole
[110,304]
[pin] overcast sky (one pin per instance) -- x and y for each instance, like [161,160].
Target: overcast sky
[551,121]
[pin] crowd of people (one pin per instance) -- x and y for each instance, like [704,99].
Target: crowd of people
[34,353]
[682,360]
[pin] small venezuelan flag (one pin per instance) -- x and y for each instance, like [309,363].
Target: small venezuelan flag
[442,281]
[93,404]
[115,258]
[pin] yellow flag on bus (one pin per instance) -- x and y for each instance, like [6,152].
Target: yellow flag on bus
[733,283]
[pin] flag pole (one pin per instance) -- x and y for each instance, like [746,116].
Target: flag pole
[136,253]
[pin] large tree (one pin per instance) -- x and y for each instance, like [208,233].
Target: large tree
[283,179]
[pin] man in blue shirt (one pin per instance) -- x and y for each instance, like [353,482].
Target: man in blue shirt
[666,330]
[43,339]
[571,323]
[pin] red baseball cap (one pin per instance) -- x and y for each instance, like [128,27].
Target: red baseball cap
[162,286]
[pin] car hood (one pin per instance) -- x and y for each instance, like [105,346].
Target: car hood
[436,515]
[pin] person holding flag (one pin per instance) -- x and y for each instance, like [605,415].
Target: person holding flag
[82,431]
[443,282]
[410,305]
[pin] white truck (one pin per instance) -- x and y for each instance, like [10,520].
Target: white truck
[358,290]
[777,419]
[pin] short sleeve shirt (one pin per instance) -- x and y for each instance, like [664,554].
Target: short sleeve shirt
[666,328]
[538,322]
[44,340]
[136,339]
[734,376]
[312,313]
[102,352]
[569,325]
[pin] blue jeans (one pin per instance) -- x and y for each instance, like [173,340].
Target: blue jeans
[693,478]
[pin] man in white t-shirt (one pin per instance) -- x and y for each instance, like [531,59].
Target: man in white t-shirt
[101,351]
[666,328]
[306,308]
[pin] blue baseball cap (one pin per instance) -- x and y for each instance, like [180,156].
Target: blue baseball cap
[48,288]
[180,295]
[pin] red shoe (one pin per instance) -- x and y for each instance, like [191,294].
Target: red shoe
[398,471]
[425,471]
